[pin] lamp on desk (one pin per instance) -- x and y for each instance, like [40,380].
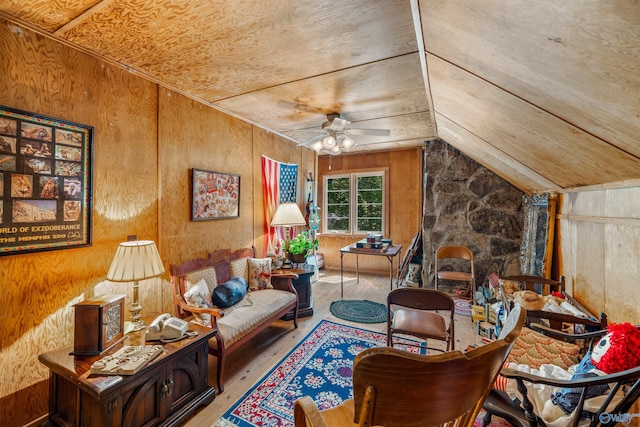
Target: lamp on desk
[287,215]
[135,260]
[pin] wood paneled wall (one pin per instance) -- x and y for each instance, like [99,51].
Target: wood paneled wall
[599,242]
[405,204]
[146,140]
[38,290]
[192,135]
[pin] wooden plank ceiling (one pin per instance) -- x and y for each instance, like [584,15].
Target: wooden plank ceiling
[545,93]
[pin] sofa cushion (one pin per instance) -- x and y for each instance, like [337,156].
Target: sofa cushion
[208,274]
[198,296]
[230,292]
[259,274]
[240,319]
[239,268]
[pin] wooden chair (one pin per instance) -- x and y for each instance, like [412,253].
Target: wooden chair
[462,274]
[624,385]
[413,311]
[395,388]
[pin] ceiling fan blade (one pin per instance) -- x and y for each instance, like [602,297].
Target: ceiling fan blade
[311,140]
[375,132]
[339,123]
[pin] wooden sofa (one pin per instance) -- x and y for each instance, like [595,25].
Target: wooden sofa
[239,323]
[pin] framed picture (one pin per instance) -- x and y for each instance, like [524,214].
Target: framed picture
[215,195]
[45,183]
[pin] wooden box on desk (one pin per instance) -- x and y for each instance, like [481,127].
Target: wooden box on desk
[98,325]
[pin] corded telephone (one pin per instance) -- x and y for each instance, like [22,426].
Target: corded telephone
[166,329]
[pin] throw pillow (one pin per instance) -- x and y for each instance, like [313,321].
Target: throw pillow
[198,296]
[229,292]
[533,349]
[259,274]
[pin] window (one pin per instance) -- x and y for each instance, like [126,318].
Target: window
[355,203]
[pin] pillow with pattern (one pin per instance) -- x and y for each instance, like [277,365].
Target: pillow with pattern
[198,296]
[533,349]
[259,274]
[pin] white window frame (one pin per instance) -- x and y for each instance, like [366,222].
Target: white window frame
[353,200]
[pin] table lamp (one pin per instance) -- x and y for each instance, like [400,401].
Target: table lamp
[135,260]
[287,215]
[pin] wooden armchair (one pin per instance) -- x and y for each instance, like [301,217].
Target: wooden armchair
[606,409]
[392,387]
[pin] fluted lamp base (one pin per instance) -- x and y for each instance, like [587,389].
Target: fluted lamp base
[136,308]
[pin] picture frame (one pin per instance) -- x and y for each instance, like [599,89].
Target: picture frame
[45,182]
[214,195]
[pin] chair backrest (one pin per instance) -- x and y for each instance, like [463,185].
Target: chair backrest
[406,389]
[421,299]
[461,271]
[454,251]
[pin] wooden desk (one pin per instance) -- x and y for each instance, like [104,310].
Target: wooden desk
[391,252]
[165,392]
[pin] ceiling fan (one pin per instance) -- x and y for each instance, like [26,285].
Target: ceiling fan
[335,135]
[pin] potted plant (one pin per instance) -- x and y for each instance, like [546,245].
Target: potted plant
[300,246]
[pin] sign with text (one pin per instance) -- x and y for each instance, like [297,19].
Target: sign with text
[45,183]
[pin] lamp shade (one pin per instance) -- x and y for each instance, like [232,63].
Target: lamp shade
[135,260]
[287,214]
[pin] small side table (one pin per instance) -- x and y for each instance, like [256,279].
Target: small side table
[303,288]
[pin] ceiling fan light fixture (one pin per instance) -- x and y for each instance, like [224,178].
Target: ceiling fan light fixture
[317,146]
[347,143]
[335,150]
[329,142]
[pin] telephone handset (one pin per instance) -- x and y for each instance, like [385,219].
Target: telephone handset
[166,329]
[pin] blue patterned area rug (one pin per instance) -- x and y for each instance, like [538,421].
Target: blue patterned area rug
[320,367]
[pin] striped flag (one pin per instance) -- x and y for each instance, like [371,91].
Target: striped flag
[279,184]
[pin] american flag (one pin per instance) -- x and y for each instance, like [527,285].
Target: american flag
[279,183]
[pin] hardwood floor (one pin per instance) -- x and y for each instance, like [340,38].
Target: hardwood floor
[245,367]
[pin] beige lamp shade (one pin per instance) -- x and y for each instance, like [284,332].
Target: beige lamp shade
[287,215]
[135,260]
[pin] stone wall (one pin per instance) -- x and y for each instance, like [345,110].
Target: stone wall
[468,205]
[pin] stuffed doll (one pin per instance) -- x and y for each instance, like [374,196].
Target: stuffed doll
[617,351]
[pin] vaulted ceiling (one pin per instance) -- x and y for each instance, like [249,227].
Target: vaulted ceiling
[545,93]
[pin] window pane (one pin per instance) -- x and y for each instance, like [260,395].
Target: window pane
[355,196]
[337,206]
[334,184]
[369,224]
[370,182]
[369,204]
